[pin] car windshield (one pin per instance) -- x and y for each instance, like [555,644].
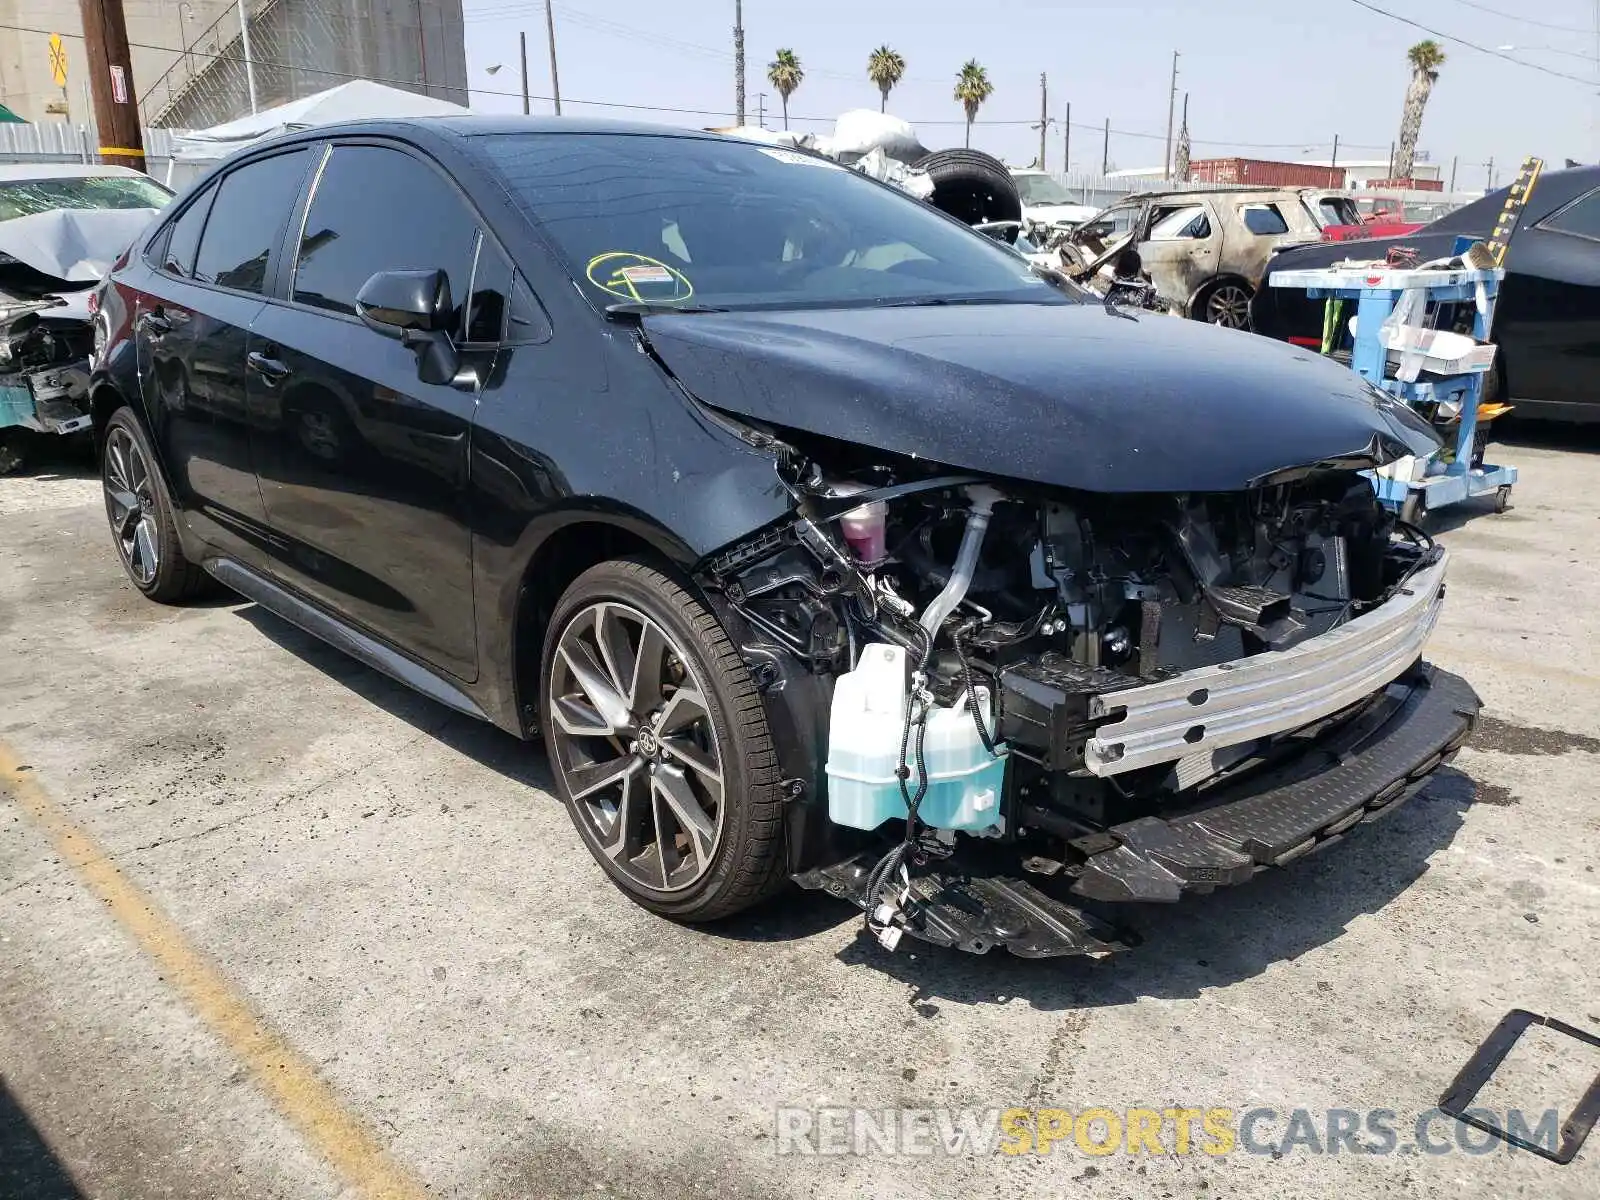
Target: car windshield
[702,222]
[24,197]
[1041,189]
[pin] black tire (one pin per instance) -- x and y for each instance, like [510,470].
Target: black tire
[747,861]
[174,578]
[1224,302]
[12,459]
[971,186]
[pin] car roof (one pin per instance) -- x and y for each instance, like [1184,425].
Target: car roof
[478,124]
[13,172]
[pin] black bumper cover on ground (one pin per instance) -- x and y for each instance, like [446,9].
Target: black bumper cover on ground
[1358,772]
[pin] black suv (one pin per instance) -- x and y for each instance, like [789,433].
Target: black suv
[816,535]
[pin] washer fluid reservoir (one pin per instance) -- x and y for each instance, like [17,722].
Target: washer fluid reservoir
[867,721]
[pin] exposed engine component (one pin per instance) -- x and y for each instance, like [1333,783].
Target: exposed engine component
[1003,660]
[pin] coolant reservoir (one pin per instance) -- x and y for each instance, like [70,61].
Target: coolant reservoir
[865,726]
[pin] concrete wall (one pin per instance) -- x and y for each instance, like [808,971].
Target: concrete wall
[25,83]
[415,44]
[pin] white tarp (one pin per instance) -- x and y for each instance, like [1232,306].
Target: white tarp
[358,100]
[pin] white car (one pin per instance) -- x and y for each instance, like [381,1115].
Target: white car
[1046,202]
[61,226]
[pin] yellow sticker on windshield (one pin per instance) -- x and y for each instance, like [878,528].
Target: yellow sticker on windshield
[638,277]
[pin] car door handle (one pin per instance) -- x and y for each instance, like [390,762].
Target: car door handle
[269,369]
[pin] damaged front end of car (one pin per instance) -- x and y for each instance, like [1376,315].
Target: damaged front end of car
[1005,707]
[49,263]
[45,347]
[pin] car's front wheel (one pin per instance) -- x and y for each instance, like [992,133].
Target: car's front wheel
[659,744]
[141,514]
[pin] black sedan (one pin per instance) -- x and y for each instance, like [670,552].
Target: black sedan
[814,534]
[1547,323]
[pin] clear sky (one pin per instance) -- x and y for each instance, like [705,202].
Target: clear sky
[1266,78]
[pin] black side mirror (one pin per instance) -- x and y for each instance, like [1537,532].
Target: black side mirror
[415,307]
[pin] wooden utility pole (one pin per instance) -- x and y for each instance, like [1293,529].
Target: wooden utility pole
[550,32]
[1454,162]
[1044,116]
[1172,103]
[1333,162]
[105,52]
[1066,140]
[738,62]
[522,43]
[1105,150]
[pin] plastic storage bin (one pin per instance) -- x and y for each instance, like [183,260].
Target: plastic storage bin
[965,782]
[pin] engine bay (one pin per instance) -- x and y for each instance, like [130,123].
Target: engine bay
[978,635]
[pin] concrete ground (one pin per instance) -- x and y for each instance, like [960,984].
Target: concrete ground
[272,926]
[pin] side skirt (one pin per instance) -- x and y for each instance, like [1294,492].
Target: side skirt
[283,603]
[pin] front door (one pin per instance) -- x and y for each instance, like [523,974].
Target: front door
[191,329]
[1180,247]
[363,466]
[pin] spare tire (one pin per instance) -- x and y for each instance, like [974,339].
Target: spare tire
[971,186]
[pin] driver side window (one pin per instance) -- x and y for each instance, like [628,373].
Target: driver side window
[1187,223]
[348,239]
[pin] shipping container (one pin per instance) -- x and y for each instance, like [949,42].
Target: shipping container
[1406,185]
[1259,172]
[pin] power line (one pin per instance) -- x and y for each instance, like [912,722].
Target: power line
[1383,12]
[1494,12]
[667,108]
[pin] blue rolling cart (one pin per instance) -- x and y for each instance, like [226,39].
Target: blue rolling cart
[1376,290]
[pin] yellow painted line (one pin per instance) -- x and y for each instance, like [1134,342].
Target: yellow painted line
[134,153]
[289,1080]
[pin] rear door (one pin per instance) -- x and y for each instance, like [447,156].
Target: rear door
[363,466]
[213,267]
[1548,319]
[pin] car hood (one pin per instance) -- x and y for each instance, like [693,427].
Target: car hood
[75,245]
[1065,395]
[1050,214]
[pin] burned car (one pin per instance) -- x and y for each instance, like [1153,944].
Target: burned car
[61,225]
[815,536]
[1204,251]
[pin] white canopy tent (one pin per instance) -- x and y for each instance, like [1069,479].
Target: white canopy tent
[358,100]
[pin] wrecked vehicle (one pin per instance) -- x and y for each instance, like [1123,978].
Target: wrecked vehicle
[1205,251]
[61,226]
[815,536]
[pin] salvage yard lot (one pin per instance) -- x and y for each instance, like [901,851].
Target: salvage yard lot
[417,953]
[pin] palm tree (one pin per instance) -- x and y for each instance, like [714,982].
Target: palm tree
[1425,58]
[785,74]
[885,68]
[972,89]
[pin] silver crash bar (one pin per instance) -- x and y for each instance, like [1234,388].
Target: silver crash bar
[1224,705]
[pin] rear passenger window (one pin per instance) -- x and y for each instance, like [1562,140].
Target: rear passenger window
[1263,220]
[377,209]
[177,256]
[247,220]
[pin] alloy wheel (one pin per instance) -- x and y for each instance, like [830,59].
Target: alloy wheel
[635,745]
[131,506]
[1229,306]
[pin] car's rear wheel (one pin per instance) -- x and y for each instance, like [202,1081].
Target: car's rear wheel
[141,515]
[1226,304]
[659,744]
